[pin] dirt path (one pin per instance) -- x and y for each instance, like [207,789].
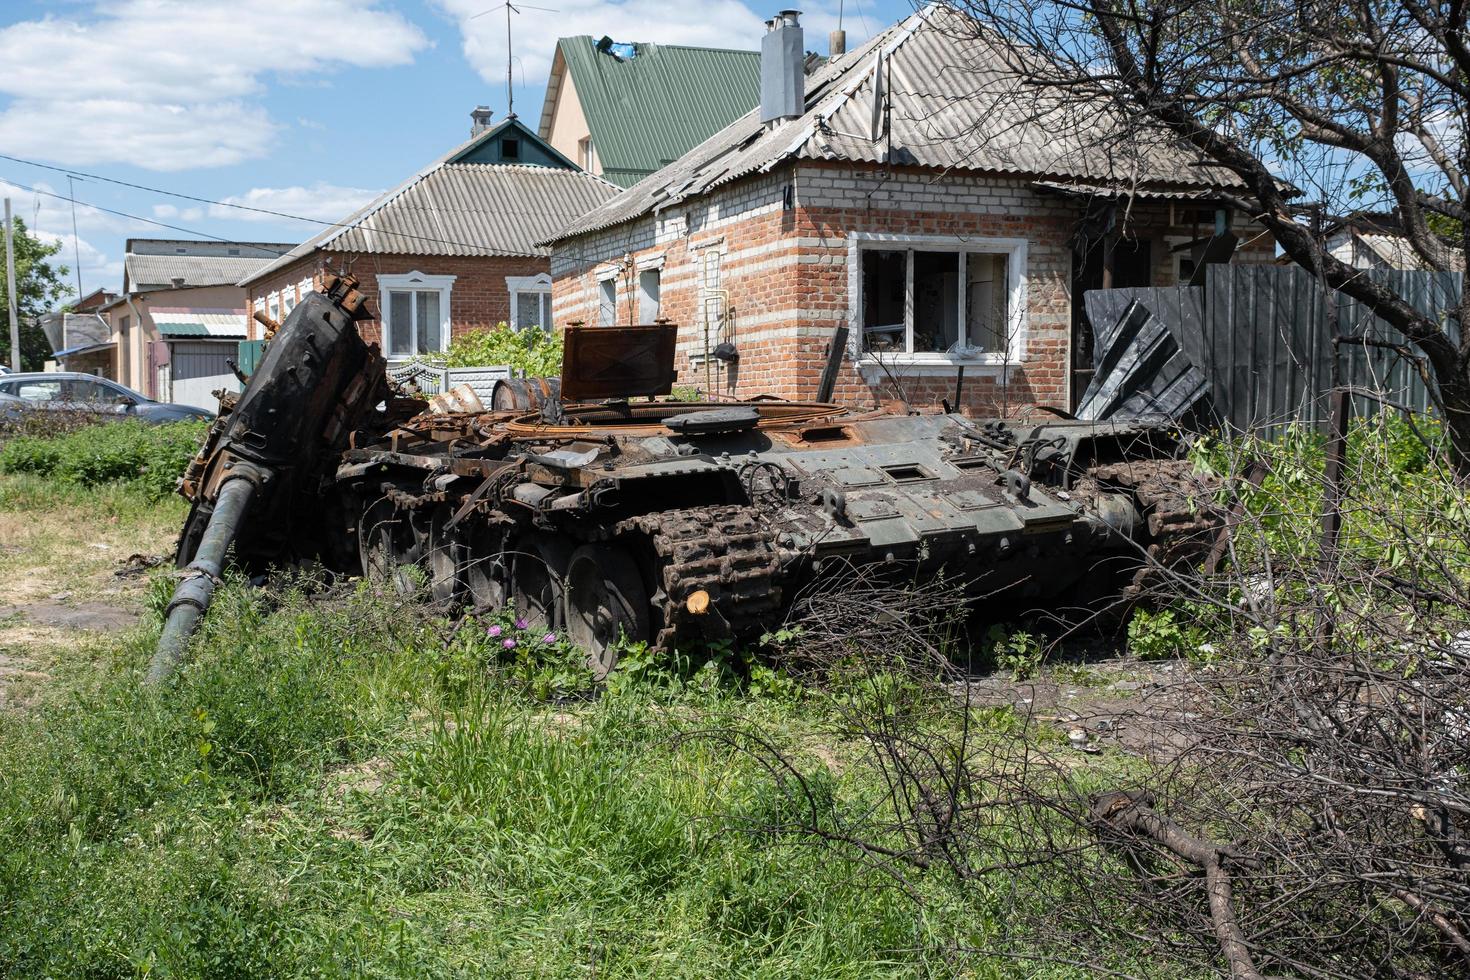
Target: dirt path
[67,582]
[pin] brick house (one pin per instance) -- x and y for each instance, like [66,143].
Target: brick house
[450,250]
[900,191]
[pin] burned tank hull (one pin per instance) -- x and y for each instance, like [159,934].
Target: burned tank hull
[625,520]
[671,523]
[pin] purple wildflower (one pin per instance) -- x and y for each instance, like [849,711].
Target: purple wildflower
[509,644]
[549,638]
[521,624]
[494,631]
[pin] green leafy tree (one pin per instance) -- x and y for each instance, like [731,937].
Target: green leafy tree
[39,287]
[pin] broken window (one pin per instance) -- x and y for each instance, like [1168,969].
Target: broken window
[607,302]
[648,295]
[935,301]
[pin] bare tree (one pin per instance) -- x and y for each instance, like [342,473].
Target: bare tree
[1350,104]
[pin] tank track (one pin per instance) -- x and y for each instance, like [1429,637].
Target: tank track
[1178,508]
[727,551]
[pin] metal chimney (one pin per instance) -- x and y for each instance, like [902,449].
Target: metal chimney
[783,83]
[481,116]
[837,43]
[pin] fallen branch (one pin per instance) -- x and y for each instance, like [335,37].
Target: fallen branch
[1133,813]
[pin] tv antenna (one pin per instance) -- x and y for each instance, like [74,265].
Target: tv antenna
[511,8]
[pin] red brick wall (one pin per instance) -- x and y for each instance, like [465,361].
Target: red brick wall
[784,241]
[477,301]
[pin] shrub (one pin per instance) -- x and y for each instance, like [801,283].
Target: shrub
[532,353]
[151,457]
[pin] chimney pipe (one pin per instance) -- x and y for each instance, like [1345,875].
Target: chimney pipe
[178,282]
[783,80]
[837,43]
[481,115]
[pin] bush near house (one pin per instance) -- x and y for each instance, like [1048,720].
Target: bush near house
[150,457]
[531,353]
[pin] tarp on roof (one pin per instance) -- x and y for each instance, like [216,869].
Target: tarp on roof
[648,110]
[951,105]
[82,349]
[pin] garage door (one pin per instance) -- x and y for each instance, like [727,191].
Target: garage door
[200,368]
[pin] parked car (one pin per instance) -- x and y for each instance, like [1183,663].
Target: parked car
[61,391]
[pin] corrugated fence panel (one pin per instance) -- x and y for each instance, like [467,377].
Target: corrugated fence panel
[1264,336]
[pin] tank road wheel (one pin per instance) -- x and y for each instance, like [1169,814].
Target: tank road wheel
[389,548]
[538,581]
[445,553]
[605,602]
[483,568]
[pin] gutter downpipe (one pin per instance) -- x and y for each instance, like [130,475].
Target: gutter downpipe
[136,322]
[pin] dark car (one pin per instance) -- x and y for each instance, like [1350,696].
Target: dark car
[60,391]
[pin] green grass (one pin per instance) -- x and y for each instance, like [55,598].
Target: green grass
[338,786]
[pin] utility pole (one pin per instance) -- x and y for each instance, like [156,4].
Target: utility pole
[10,288]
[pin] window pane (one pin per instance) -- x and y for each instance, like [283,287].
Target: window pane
[986,297]
[40,391]
[607,310]
[936,301]
[430,323]
[87,391]
[399,328]
[883,289]
[648,295]
[546,323]
[528,310]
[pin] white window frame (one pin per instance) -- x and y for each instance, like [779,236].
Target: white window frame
[273,307]
[938,362]
[529,284]
[304,288]
[414,282]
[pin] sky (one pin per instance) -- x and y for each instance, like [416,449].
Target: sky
[305,107]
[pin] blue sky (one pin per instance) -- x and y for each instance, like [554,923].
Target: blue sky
[308,107]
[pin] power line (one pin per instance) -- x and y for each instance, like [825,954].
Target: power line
[159,190]
[426,239]
[125,214]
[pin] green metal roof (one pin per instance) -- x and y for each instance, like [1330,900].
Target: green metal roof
[648,110]
[176,329]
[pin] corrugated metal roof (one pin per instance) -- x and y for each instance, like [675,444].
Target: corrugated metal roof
[147,272]
[646,111]
[952,105]
[190,322]
[462,209]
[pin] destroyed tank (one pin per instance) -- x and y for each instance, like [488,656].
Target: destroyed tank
[620,518]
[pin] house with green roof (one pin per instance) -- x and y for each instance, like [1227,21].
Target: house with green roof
[623,111]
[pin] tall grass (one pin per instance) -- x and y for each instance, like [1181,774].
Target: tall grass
[323,793]
[149,457]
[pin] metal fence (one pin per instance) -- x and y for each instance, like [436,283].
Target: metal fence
[1264,337]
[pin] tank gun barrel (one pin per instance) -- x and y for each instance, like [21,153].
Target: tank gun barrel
[255,484]
[192,596]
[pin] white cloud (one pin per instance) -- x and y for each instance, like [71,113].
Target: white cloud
[715,24]
[50,218]
[321,201]
[169,84]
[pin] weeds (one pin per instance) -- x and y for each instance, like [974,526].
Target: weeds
[150,457]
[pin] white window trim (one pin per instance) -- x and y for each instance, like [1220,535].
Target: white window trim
[528,284]
[939,363]
[415,281]
[650,262]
